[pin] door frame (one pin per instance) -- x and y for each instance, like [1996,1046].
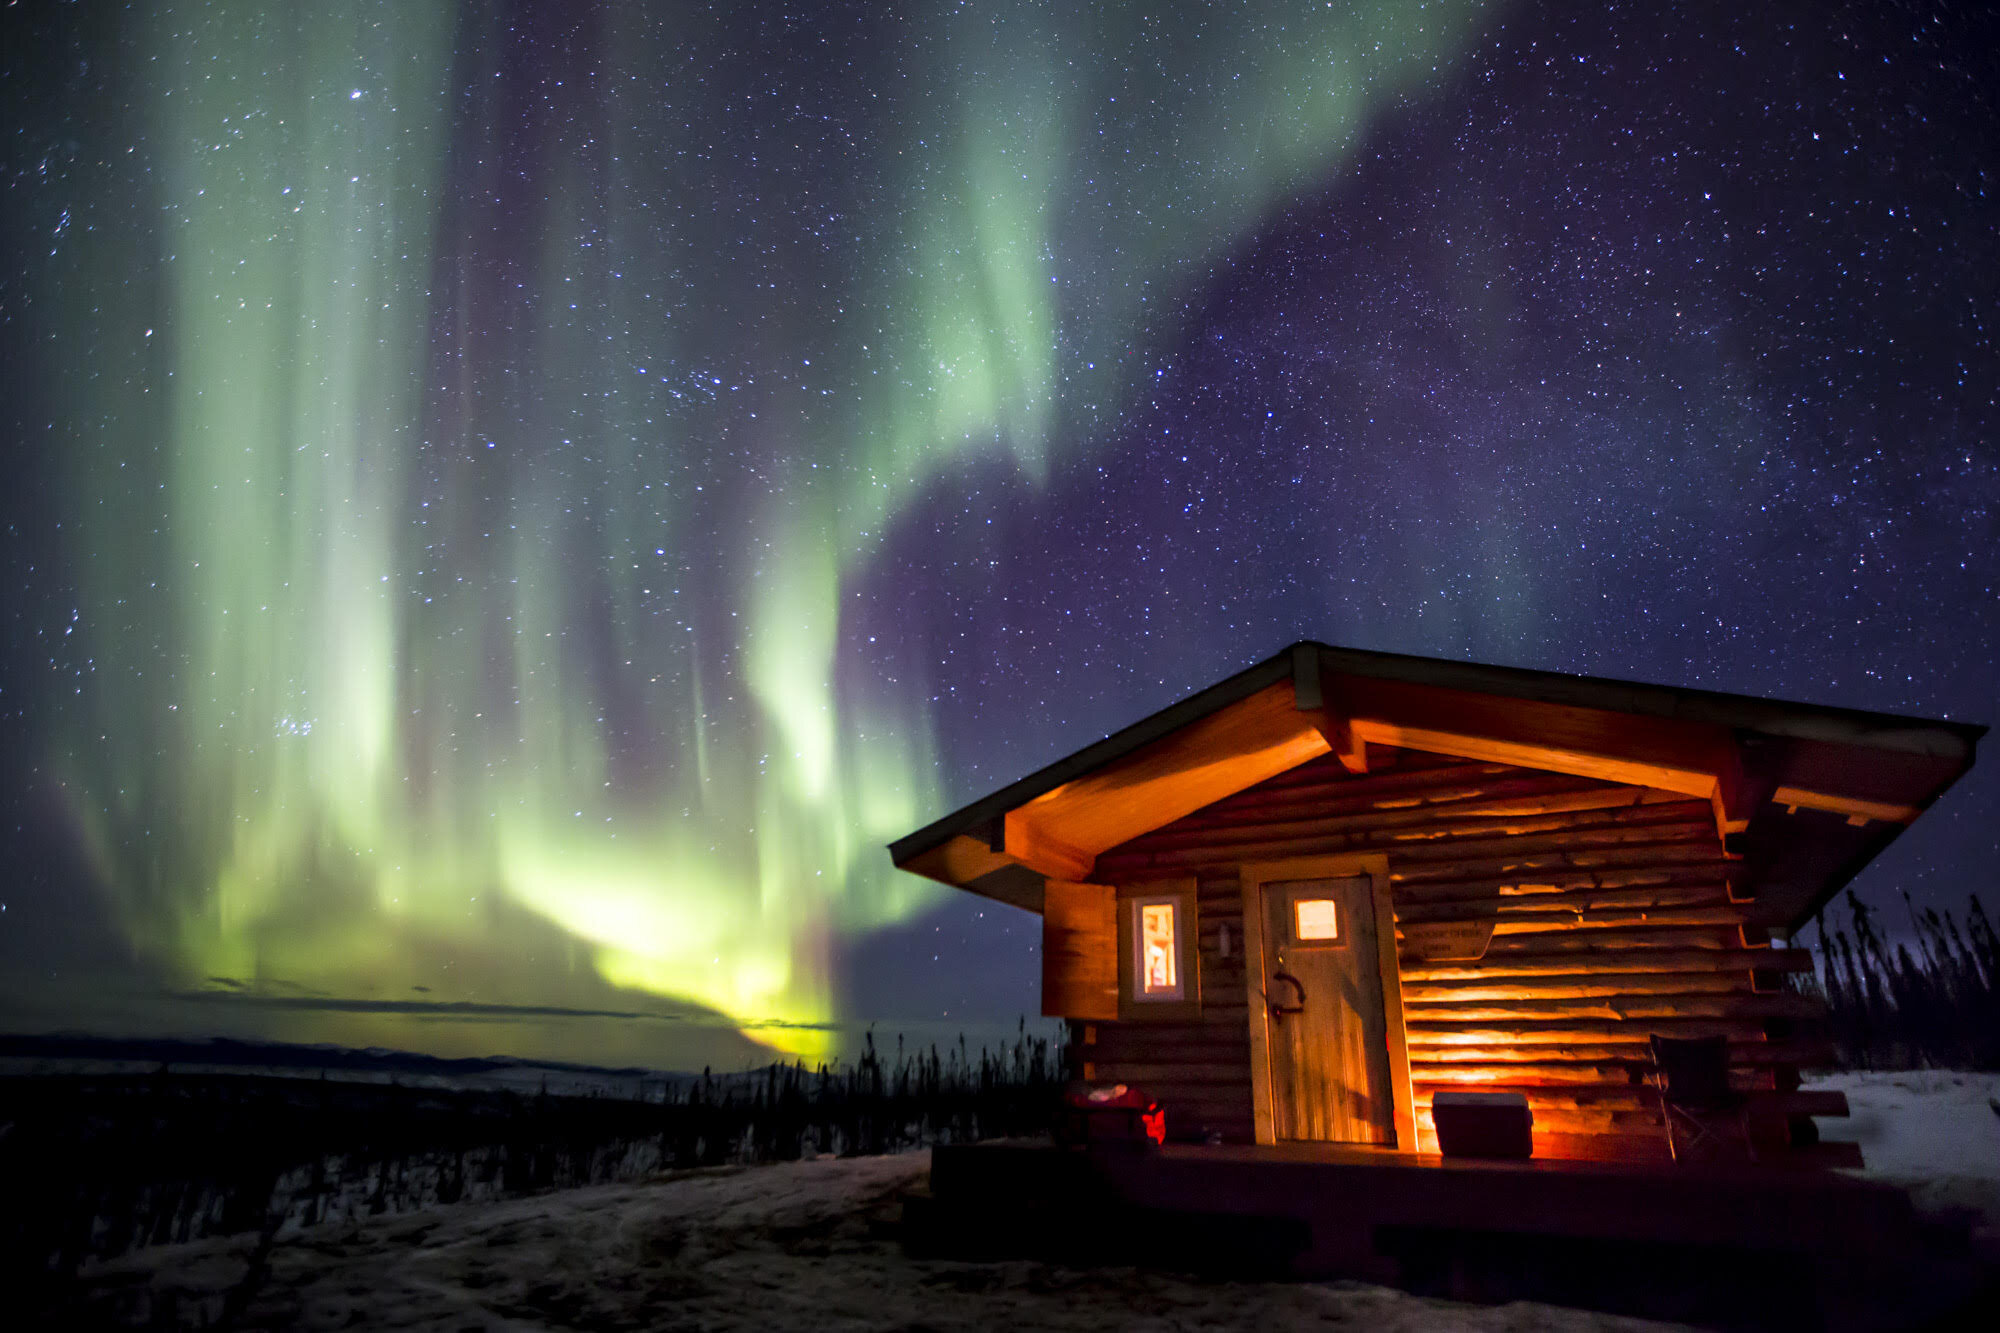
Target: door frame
[1254,875]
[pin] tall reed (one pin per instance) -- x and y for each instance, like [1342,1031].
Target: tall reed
[1931,999]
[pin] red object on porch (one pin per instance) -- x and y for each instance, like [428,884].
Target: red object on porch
[1111,1113]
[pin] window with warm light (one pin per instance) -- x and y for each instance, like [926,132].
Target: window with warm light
[1315,919]
[1156,957]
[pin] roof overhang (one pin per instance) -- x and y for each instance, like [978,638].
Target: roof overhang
[1805,795]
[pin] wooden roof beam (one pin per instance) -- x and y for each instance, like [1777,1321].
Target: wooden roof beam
[958,861]
[1309,696]
[1701,760]
[1061,831]
[1858,811]
[1043,850]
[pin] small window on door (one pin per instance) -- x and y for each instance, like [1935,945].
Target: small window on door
[1315,919]
[1156,959]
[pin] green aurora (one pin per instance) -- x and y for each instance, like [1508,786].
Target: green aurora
[483,442]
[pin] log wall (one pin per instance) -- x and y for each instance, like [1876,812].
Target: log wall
[1612,919]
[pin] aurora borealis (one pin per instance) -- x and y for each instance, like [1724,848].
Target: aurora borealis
[510,507]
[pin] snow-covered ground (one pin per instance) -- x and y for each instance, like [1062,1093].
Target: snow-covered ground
[812,1244]
[1935,1132]
[807,1245]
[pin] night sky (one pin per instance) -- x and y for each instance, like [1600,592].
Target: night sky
[507,509]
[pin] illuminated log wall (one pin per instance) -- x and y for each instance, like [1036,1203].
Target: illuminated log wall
[1612,919]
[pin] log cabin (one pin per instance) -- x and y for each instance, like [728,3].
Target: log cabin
[1300,904]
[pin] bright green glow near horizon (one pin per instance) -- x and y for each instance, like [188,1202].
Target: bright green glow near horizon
[462,676]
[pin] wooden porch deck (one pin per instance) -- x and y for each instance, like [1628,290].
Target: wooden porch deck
[1744,1246]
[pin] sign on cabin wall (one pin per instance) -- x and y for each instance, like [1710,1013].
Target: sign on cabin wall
[1446,941]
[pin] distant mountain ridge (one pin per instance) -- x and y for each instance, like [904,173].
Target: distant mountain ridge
[230,1051]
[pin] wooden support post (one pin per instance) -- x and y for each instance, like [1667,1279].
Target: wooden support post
[1079,950]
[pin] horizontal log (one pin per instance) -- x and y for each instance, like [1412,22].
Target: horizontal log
[1617,918]
[1614,940]
[1216,1043]
[1156,1076]
[1432,1075]
[1607,845]
[1620,1008]
[1746,1047]
[1609,848]
[1708,873]
[1531,864]
[1687,903]
[1205,1103]
[1187,1119]
[1677,833]
[1632,1037]
[1552,1121]
[1174,1037]
[1441,1064]
[1510,1054]
[1602,798]
[1554,988]
[1700,890]
[1622,1095]
[1458,799]
[1202,1102]
[1400,777]
[1191,1053]
[1625,961]
[1455,820]
[1561,826]
[1393,786]
[1571,903]
[1516,1041]
[1519,796]
[1199,1026]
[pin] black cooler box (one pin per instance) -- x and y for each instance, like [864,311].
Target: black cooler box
[1484,1124]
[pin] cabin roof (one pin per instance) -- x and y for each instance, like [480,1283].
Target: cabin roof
[1805,795]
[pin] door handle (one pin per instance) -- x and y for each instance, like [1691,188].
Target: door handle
[1278,1009]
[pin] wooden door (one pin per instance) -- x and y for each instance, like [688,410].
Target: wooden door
[1327,1033]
